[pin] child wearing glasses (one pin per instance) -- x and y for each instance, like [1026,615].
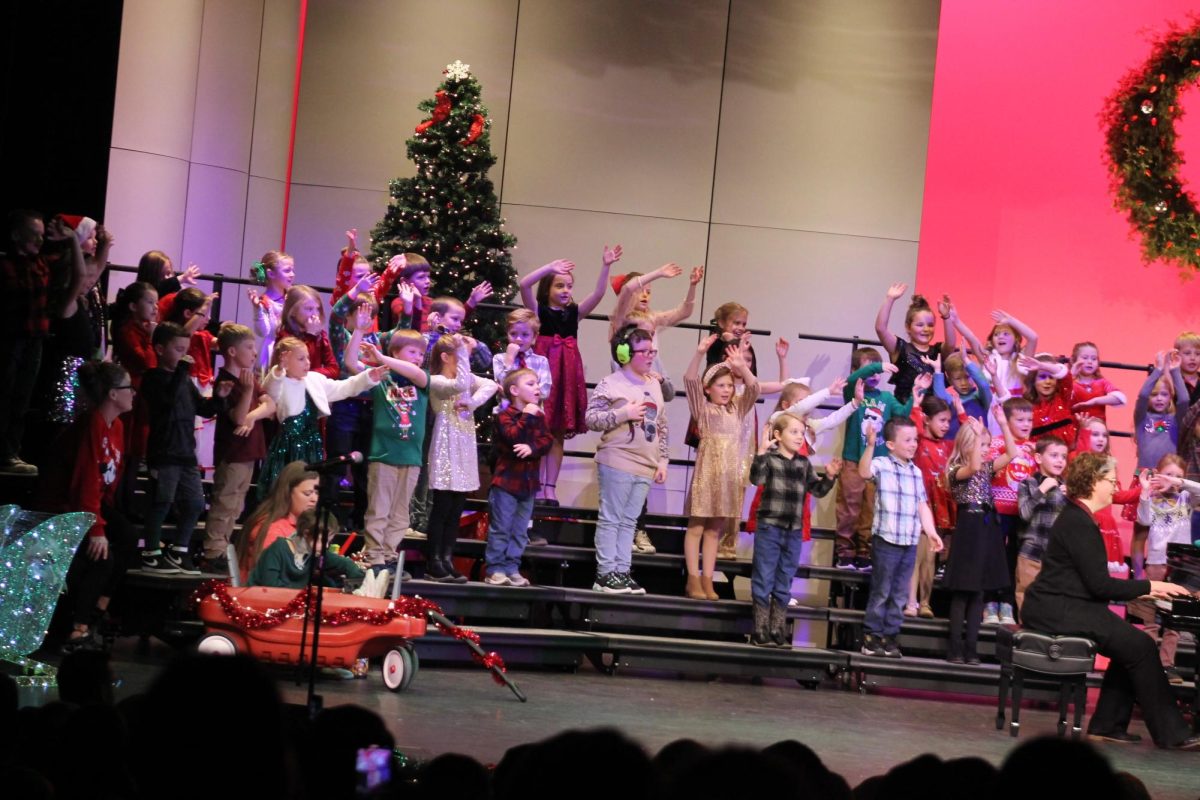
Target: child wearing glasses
[717,481]
[627,408]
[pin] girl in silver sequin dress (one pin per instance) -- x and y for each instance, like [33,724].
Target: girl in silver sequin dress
[454,394]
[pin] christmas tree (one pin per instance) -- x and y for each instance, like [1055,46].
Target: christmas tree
[448,212]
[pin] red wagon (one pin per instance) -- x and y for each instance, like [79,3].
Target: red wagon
[341,645]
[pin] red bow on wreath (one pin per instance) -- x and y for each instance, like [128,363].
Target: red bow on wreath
[475,132]
[440,111]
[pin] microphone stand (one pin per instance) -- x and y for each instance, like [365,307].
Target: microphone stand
[327,495]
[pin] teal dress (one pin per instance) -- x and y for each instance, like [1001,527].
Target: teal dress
[297,439]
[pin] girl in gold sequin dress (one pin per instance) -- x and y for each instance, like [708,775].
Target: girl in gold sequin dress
[717,486]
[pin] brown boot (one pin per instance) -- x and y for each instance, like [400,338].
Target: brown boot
[727,546]
[778,625]
[761,636]
[706,585]
[694,589]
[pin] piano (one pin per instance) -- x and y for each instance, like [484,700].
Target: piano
[1182,613]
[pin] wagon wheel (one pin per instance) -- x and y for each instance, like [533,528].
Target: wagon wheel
[216,644]
[416,660]
[397,669]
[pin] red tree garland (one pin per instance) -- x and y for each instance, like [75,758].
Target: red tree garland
[441,111]
[252,620]
[476,131]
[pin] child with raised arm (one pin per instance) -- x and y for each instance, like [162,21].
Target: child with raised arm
[303,318]
[302,396]
[1165,508]
[521,438]
[240,441]
[856,497]
[1187,344]
[399,403]
[1158,414]
[191,309]
[355,276]
[977,562]
[275,272]
[558,318]
[960,376]
[786,478]
[1048,388]
[1008,339]
[173,403]
[627,408]
[912,356]
[1040,498]
[717,487]
[521,327]
[135,313]
[1018,413]
[902,516]
[1091,392]
[453,463]
[415,273]
[633,292]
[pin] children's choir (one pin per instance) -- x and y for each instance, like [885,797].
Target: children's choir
[956,472]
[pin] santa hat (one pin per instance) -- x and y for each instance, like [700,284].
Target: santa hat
[84,227]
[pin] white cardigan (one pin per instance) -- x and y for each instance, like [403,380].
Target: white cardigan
[289,393]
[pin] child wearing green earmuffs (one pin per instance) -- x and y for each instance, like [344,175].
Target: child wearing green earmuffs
[627,408]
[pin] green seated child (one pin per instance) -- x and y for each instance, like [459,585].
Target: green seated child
[286,562]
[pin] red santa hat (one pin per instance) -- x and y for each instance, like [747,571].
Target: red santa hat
[84,227]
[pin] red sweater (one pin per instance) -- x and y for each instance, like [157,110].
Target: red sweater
[88,467]
[932,457]
[1053,415]
[1090,391]
[201,349]
[133,351]
[320,352]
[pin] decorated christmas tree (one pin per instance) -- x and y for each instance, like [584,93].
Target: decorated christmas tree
[448,212]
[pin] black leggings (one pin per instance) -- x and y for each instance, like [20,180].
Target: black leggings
[444,516]
[90,580]
[968,606]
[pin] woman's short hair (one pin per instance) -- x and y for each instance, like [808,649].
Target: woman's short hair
[1085,471]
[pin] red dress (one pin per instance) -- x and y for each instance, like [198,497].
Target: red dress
[567,404]
[1090,391]
[932,457]
[1053,416]
[133,351]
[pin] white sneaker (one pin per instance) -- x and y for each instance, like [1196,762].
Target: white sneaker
[497,579]
[793,602]
[518,580]
[642,543]
[991,614]
[1006,615]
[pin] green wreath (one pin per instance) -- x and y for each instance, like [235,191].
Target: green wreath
[1139,118]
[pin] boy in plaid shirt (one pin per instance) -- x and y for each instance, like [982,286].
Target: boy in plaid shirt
[786,477]
[1039,499]
[902,514]
[522,438]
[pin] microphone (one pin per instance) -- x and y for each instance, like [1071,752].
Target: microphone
[354,457]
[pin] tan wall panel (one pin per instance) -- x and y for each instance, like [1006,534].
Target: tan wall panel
[317,226]
[615,106]
[216,214]
[273,98]
[156,76]
[145,204]
[826,115]
[227,81]
[366,67]
[264,220]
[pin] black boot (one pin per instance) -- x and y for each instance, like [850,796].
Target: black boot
[448,538]
[435,570]
[778,625]
[761,636]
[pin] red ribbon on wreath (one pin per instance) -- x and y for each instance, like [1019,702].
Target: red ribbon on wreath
[441,111]
[476,131]
[251,620]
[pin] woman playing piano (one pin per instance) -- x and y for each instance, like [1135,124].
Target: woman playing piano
[1071,596]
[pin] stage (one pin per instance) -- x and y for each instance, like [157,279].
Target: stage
[856,734]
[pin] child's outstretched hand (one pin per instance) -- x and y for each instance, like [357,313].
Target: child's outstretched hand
[1174,360]
[1160,360]
[956,399]
[1144,479]
[246,380]
[781,347]
[860,390]
[408,293]
[922,382]
[378,373]
[1029,363]
[104,237]
[362,317]
[834,467]
[562,267]
[976,425]
[872,436]
[612,254]
[766,440]
[188,276]
[253,296]
[223,388]
[57,231]
[896,291]
[397,263]
[671,270]
[836,386]
[370,354]
[934,363]
[707,342]
[998,414]
[697,275]
[1001,317]
[890,369]
[480,293]
[945,307]
[522,450]
[352,239]
[367,282]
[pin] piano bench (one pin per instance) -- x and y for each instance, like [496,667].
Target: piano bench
[1068,659]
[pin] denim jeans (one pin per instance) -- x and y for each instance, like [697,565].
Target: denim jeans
[181,486]
[891,570]
[776,556]
[508,531]
[621,497]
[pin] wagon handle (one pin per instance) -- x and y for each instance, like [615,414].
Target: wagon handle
[502,676]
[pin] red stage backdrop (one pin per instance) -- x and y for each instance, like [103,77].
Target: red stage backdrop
[1017,213]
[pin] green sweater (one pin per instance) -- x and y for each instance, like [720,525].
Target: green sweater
[277,567]
[877,408]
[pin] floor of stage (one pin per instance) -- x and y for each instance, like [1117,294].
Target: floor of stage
[463,710]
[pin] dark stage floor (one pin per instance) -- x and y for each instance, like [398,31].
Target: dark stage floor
[463,710]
